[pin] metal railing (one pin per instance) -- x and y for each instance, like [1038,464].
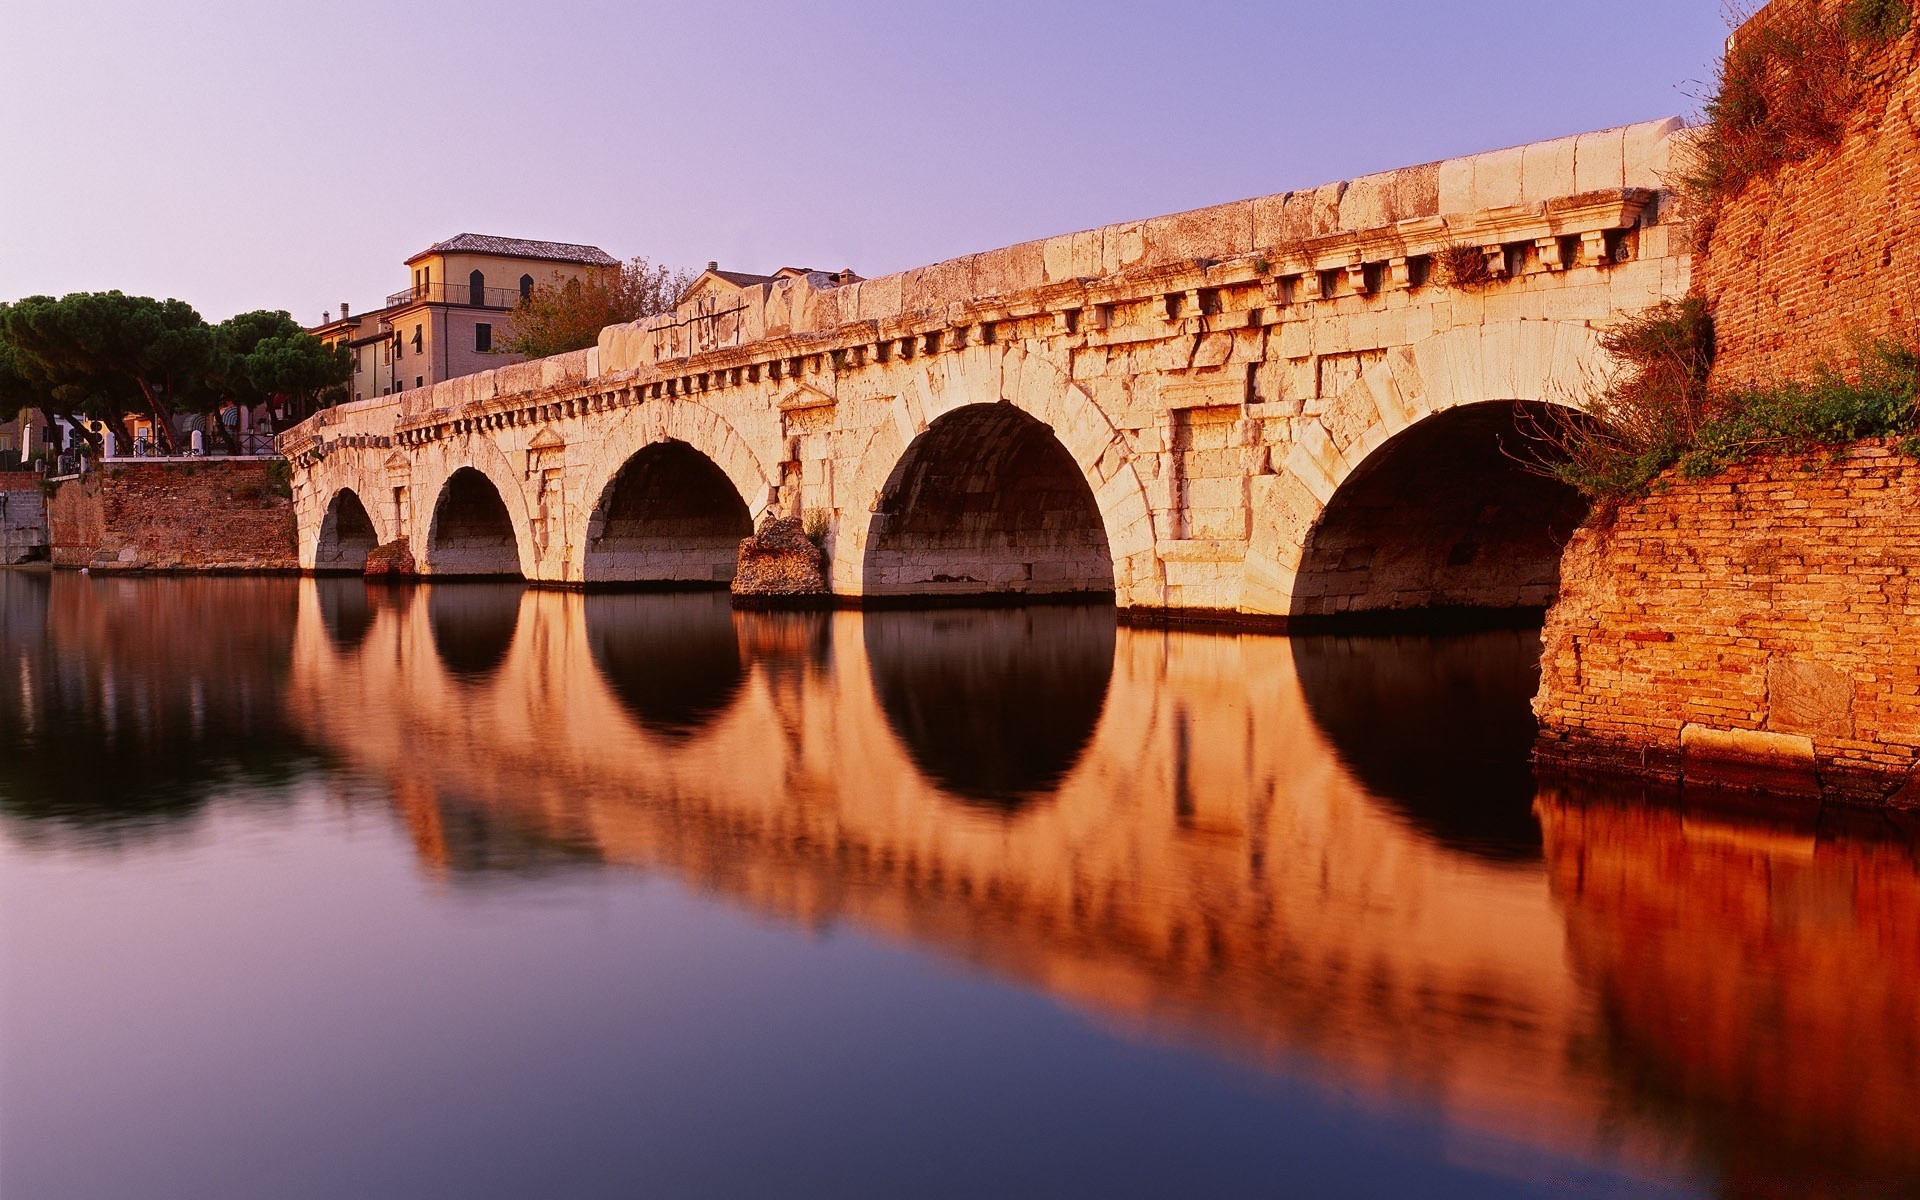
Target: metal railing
[457,293]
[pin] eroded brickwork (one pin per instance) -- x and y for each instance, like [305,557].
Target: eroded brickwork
[1755,628]
[1826,251]
[162,516]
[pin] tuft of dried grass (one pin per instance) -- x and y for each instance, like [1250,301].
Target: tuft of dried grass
[1462,267]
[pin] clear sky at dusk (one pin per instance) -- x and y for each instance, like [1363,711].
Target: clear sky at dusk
[250,155]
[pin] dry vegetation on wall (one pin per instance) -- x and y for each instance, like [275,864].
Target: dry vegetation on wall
[1462,266]
[1660,411]
[1789,79]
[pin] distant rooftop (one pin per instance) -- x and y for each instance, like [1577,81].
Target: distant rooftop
[481,243]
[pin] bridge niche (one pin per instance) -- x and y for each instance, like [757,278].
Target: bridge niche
[987,502]
[472,534]
[995,707]
[347,536]
[670,516]
[1443,525]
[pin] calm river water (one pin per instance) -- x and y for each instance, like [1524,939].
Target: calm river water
[308,889]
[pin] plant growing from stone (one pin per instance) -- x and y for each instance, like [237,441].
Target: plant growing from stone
[1784,90]
[1462,267]
[1660,411]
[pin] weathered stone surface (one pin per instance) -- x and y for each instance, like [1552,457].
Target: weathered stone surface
[391,559]
[1808,697]
[779,560]
[1748,760]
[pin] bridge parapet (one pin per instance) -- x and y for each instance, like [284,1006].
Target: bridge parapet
[1212,377]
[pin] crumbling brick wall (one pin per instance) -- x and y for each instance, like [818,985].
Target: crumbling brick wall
[223,515]
[1754,628]
[1825,251]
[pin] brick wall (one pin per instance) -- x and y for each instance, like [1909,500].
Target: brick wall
[1755,629]
[163,516]
[1826,250]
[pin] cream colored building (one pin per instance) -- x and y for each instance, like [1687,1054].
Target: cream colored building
[457,308]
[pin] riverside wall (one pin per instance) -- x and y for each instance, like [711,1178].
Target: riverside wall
[1752,630]
[175,515]
[1755,629]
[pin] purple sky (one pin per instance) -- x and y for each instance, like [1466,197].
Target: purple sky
[249,155]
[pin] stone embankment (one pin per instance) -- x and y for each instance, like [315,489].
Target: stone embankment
[23,517]
[175,515]
[1752,630]
[1756,629]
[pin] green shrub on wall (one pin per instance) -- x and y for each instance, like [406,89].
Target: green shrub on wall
[1661,412]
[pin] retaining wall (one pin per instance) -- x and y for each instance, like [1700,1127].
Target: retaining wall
[1754,630]
[200,514]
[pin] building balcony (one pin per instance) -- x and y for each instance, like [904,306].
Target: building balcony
[463,294]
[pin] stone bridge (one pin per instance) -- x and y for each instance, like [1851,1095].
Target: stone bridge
[1293,406]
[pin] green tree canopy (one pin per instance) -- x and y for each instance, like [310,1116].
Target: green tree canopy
[265,354]
[106,354]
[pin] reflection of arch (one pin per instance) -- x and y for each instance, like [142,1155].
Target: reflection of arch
[1042,388]
[346,612]
[473,626]
[669,515]
[986,500]
[995,706]
[347,535]
[674,661]
[472,533]
[1441,518]
[1502,363]
[1439,728]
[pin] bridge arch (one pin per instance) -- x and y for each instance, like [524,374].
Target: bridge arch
[347,535]
[471,531]
[668,441]
[997,459]
[433,471]
[1404,495]
[668,515]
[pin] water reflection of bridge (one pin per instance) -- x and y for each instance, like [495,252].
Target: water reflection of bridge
[1165,829]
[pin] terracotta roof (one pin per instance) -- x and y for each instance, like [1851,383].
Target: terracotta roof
[506,247]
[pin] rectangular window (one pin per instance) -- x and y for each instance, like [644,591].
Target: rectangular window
[483,337]
[419,381]
[416,339]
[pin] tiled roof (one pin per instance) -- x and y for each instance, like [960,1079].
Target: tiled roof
[740,278]
[480,243]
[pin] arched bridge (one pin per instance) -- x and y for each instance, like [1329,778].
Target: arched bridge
[1282,406]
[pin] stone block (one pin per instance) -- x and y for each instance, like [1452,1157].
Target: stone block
[1748,760]
[1547,170]
[1647,152]
[1599,161]
[1808,697]
[1499,178]
[1221,231]
[1013,269]
[1295,217]
[1455,186]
